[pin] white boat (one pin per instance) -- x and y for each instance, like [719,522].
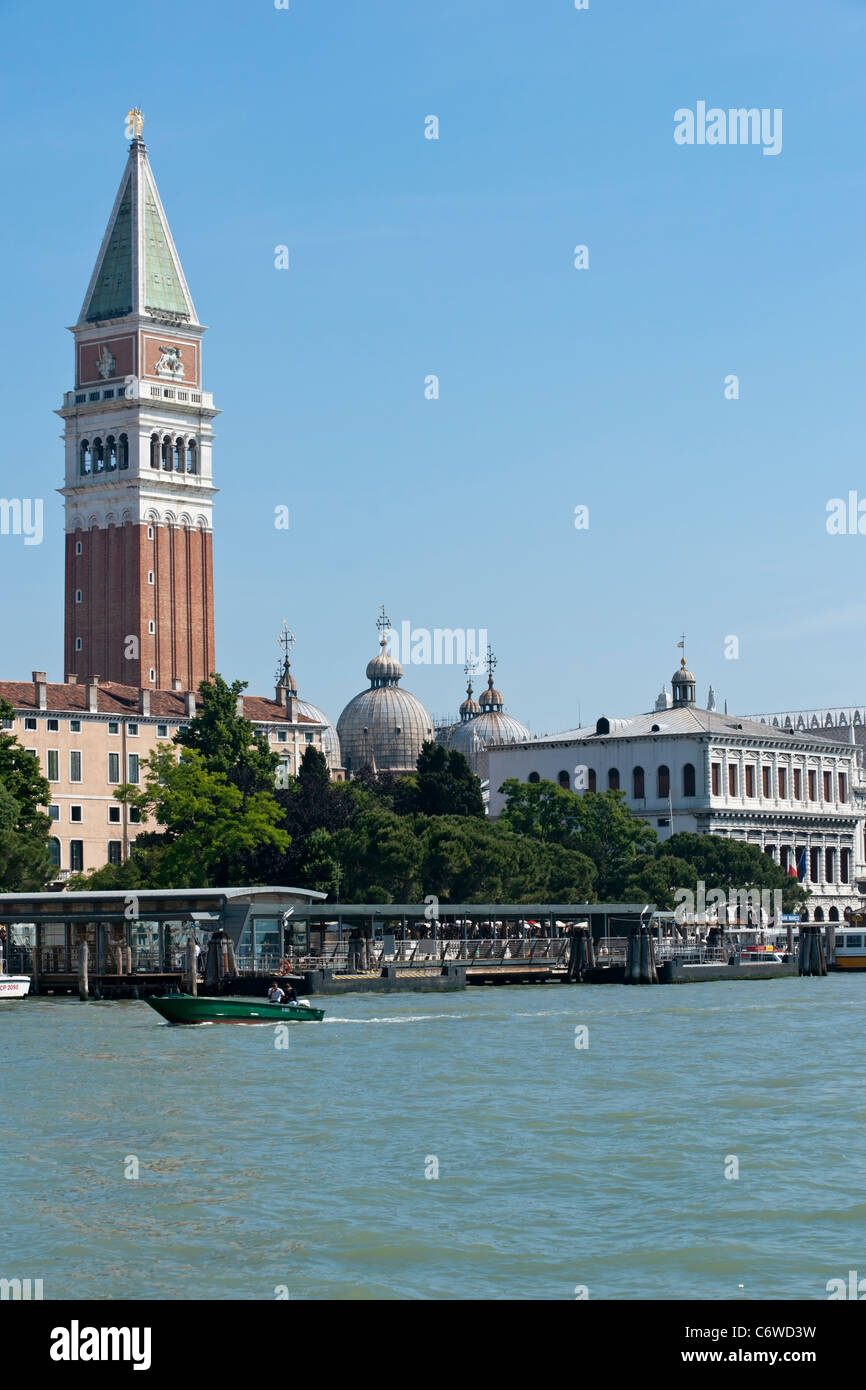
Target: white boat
[14,986]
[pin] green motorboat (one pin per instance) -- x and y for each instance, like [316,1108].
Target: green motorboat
[191,1008]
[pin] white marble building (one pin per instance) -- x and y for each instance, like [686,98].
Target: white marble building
[797,795]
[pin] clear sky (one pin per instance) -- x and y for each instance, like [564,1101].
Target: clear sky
[602,387]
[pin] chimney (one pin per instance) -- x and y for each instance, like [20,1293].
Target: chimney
[239,706]
[144,702]
[40,682]
[93,694]
[176,683]
[190,704]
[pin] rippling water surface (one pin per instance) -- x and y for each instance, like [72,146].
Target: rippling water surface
[558,1166]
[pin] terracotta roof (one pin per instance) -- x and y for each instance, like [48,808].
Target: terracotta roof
[123,699]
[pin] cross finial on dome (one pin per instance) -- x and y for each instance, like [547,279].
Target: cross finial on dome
[491,664]
[285,642]
[383,623]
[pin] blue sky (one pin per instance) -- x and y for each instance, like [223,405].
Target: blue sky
[409,257]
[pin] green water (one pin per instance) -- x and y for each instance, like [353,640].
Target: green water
[304,1169]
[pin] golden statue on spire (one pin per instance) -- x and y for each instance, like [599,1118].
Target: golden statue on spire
[134,123]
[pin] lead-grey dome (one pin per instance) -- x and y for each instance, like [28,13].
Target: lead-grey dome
[476,732]
[493,726]
[330,738]
[384,727]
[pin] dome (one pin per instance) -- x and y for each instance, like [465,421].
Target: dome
[384,727]
[384,667]
[683,685]
[492,698]
[469,708]
[330,738]
[493,726]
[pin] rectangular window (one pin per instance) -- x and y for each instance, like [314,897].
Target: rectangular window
[114,767]
[134,815]
[798,784]
[76,856]
[830,865]
[717,778]
[845,866]
[75,726]
[843,791]
[29,723]
[114,851]
[813,784]
[113,726]
[308,738]
[114,815]
[53,726]
[133,767]
[54,813]
[282,736]
[732,780]
[162,731]
[53,765]
[75,814]
[7,724]
[766,773]
[132,730]
[783,784]
[75,766]
[828,786]
[750,780]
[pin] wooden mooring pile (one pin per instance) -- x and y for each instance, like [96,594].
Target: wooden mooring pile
[812,957]
[641,967]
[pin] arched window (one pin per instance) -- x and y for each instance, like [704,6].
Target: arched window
[664,782]
[689,779]
[154,451]
[638,790]
[533,777]
[590,779]
[123,452]
[833,914]
[564,780]
[98,456]
[819,914]
[192,457]
[179,455]
[613,779]
[54,852]
[111,453]
[166,454]
[84,455]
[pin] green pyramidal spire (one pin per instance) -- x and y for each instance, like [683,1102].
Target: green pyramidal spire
[138,270]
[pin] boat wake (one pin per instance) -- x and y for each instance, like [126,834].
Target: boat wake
[409,1018]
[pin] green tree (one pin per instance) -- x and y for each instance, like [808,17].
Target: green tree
[25,864]
[227,741]
[598,825]
[210,826]
[655,878]
[729,864]
[443,785]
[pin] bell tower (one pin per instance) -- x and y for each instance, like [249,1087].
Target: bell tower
[138,432]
